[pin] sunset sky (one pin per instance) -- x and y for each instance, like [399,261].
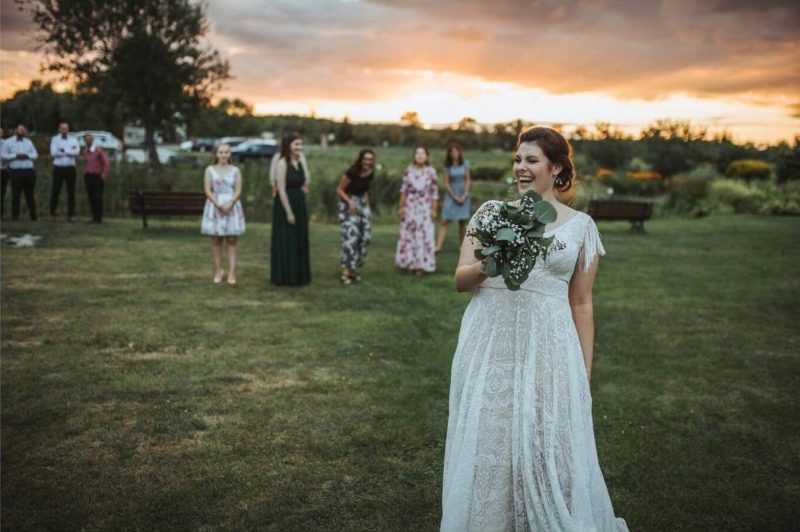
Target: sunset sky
[727,64]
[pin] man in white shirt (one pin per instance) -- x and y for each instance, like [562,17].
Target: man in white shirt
[5,178]
[20,153]
[63,149]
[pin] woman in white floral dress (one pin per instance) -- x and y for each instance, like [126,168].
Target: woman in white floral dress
[419,196]
[223,216]
[520,452]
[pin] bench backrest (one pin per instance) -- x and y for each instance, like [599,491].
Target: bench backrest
[157,202]
[620,210]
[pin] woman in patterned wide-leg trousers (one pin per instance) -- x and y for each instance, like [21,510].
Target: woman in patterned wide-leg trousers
[355,217]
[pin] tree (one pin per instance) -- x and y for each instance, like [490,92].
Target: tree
[610,147]
[345,134]
[788,167]
[411,119]
[38,107]
[468,124]
[143,55]
[670,146]
[235,107]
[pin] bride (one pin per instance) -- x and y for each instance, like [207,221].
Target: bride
[520,452]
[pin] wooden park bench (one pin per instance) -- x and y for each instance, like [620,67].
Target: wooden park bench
[636,212]
[182,160]
[147,202]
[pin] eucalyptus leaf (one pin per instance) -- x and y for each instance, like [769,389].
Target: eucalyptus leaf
[485,252]
[528,261]
[506,234]
[491,267]
[521,278]
[516,217]
[534,195]
[545,212]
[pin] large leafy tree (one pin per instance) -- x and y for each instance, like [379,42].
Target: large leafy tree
[144,56]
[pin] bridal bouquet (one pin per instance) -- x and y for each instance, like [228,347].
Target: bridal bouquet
[512,237]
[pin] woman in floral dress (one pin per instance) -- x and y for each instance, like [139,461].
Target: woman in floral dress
[223,216]
[419,198]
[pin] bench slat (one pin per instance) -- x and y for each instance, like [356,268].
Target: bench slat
[637,212]
[165,203]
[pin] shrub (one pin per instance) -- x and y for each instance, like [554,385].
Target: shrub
[735,195]
[638,164]
[781,206]
[488,173]
[585,190]
[688,194]
[706,171]
[749,170]
[643,175]
[583,164]
[784,199]
[626,186]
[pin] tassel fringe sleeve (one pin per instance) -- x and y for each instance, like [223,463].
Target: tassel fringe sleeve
[592,245]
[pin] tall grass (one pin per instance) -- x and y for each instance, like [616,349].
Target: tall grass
[326,167]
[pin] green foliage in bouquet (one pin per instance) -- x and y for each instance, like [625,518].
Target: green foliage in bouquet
[513,238]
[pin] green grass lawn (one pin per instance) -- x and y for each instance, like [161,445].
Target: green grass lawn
[137,395]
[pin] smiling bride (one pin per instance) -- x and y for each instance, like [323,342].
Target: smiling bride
[520,452]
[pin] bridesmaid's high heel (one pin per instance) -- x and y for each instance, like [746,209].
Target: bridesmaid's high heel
[218,277]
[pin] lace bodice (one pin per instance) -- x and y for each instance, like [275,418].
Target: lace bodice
[581,241]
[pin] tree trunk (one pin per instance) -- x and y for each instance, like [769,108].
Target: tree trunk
[150,143]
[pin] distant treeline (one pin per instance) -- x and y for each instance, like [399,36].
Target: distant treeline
[666,147]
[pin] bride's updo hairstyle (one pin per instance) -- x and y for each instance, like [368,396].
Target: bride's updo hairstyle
[556,149]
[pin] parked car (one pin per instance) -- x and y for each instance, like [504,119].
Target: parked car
[203,144]
[232,141]
[111,144]
[254,149]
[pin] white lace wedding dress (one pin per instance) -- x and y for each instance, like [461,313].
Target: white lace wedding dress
[520,452]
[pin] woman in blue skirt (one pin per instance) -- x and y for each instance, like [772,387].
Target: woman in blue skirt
[457,201]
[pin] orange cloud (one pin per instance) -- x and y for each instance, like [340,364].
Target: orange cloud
[378,51]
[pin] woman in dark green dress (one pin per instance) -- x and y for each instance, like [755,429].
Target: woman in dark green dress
[290,259]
